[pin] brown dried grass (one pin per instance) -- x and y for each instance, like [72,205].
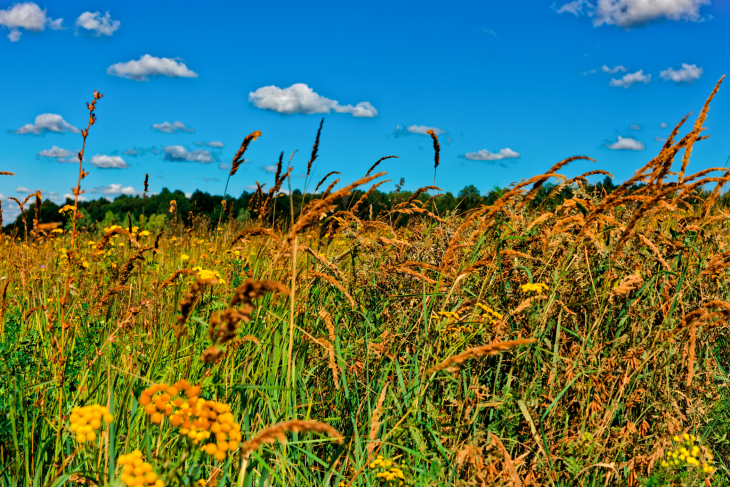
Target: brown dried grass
[451,364]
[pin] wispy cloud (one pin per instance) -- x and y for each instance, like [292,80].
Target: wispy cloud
[178,153]
[688,73]
[28,16]
[300,98]
[660,139]
[99,24]
[269,169]
[406,129]
[47,122]
[214,143]
[613,70]
[58,153]
[631,79]
[112,189]
[630,13]
[626,143]
[22,190]
[663,125]
[108,162]
[485,155]
[634,126]
[151,66]
[171,128]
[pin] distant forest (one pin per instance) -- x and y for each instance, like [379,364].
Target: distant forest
[152,212]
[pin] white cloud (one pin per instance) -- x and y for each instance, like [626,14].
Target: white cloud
[626,143]
[634,126]
[270,169]
[22,189]
[102,25]
[130,152]
[630,79]
[112,189]
[417,129]
[576,8]
[188,195]
[613,70]
[660,139]
[686,74]
[663,125]
[586,73]
[28,16]
[178,153]
[171,128]
[150,66]
[251,187]
[224,166]
[628,13]
[108,162]
[47,122]
[214,143]
[485,155]
[69,196]
[58,153]
[300,98]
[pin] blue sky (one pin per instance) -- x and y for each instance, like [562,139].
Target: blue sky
[513,87]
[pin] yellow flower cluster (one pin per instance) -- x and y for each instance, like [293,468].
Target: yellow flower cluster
[389,472]
[489,313]
[197,418]
[138,472]
[113,227]
[687,451]
[86,420]
[537,288]
[67,208]
[449,314]
[206,274]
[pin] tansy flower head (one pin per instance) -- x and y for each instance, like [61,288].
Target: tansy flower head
[536,288]
[136,471]
[86,420]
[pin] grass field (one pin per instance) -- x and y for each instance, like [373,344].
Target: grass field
[506,345]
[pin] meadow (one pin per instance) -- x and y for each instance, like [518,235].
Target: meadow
[510,343]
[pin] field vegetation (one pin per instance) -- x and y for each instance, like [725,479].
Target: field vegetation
[557,334]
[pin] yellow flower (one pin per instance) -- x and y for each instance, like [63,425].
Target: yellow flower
[537,288]
[184,257]
[67,208]
[85,265]
[144,233]
[58,230]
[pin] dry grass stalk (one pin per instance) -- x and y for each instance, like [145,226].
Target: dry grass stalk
[627,284]
[117,231]
[507,460]
[315,147]
[322,260]
[451,364]
[7,173]
[188,303]
[375,421]
[252,289]
[278,432]
[656,252]
[146,186]
[37,217]
[238,158]
[411,272]
[278,166]
[112,292]
[415,209]
[30,312]
[336,284]
[321,206]
[378,162]
[691,355]
[337,222]
[364,197]
[545,216]
[697,129]
[416,194]
[436,148]
[252,232]
[538,184]
[329,188]
[526,304]
[264,210]
[393,241]
[325,178]
[129,265]
[171,280]
[449,257]
[330,346]
[4,302]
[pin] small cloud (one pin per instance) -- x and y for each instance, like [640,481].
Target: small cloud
[660,139]
[688,73]
[171,128]
[178,153]
[130,152]
[57,153]
[270,169]
[489,31]
[150,66]
[630,79]
[224,166]
[47,122]
[663,125]
[300,98]
[113,189]
[214,143]
[576,8]
[586,73]
[215,180]
[634,126]
[251,187]
[613,70]
[485,155]
[108,162]
[626,143]
[198,143]
[101,25]
[22,189]
[28,16]
[406,129]
[69,196]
